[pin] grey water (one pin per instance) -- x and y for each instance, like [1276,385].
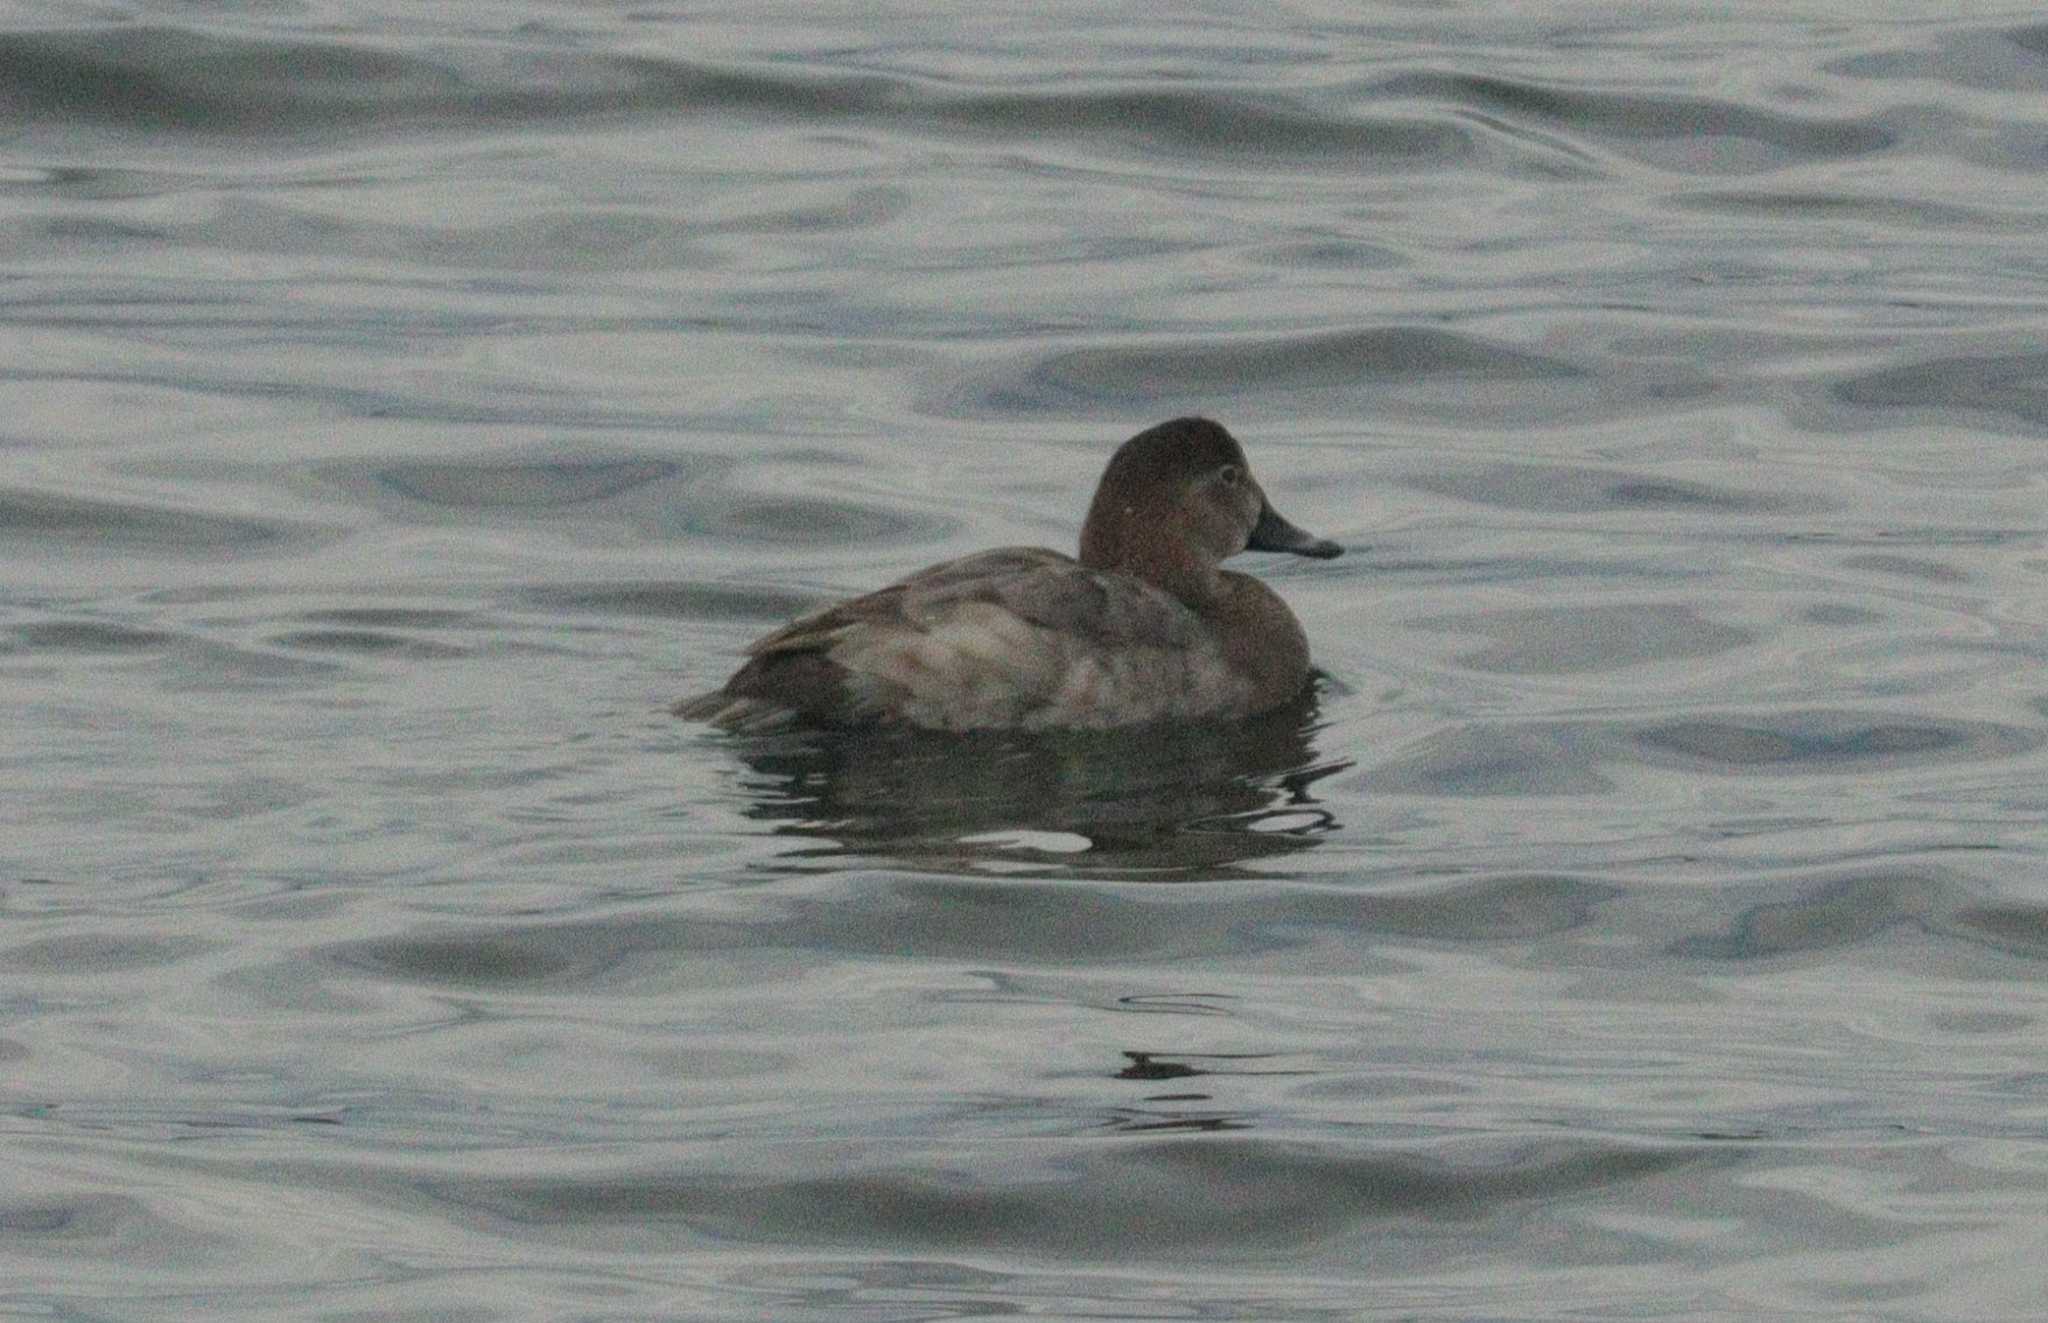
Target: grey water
[402,405]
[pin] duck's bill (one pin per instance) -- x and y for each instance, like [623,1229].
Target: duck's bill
[1272,533]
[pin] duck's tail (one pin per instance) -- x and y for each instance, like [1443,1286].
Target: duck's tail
[738,713]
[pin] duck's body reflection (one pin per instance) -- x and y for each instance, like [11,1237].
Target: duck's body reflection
[1165,801]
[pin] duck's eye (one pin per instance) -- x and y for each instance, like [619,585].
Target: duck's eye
[1230,475]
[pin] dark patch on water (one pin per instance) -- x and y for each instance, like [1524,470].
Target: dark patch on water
[1695,135]
[1211,122]
[1832,613]
[2011,59]
[1548,489]
[92,636]
[1572,758]
[1843,912]
[369,643]
[1233,1198]
[539,485]
[395,617]
[1498,760]
[1199,373]
[1511,908]
[680,499]
[1330,254]
[97,954]
[2016,926]
[40,517]
[170,80]
[1573,640]
[1995,389]
[1906,567]
[1828,742]
[820,523]
[674,601]
[1900,215]
[1004,921]
[537,957]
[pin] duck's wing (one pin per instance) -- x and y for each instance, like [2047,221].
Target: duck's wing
[1037,587]
[999,638]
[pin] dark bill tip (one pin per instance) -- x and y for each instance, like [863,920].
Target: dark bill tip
[1272,533]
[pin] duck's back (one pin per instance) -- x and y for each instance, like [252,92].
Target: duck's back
[1018,637]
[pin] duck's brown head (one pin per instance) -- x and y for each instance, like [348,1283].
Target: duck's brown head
[1176,501]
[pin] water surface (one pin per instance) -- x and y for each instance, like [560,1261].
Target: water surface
[1644,918]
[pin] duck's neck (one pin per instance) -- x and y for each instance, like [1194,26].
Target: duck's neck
[1174,572]
[1115,546]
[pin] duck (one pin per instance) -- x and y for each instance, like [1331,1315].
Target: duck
[1143,626]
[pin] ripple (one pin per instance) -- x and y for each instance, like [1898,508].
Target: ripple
[673,601]
[40,517]
[162,79]
[1007,920]
[858,208]
[394,617]
[1563,490]
[838,522]
[213,668]
[1211,122]
[533,485]
[170,79]
[1490,760]
[2009,387]
[1904,215]
[1837,913]
[369,643]
[567,954]
[1328,254]
[1906,567]
[1828,742]
[2015,925]
[1998,60]
[99,953]
[1237,1197]
[90,183]
[92,636]
[687,497]
[554,240]
[1693,135]
[1837,614]
[1567,758]
[1581,639]
[1512,908]
[167,79]
[1015,921]
[107,1220]
[1350,363]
